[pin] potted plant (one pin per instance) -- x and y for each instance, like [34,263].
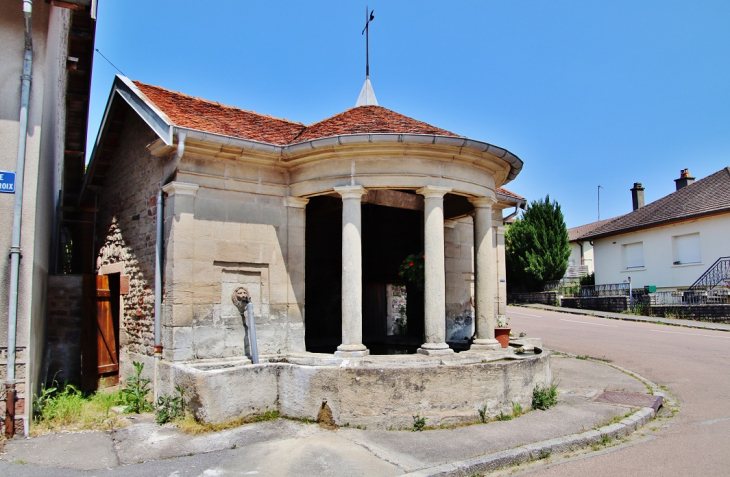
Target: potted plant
[502,331]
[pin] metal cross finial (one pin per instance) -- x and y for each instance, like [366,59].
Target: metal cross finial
[366,31]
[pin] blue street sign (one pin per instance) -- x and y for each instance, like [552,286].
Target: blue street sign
[7,182]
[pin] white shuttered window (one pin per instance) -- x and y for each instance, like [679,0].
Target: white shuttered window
[633,255]
[686,249]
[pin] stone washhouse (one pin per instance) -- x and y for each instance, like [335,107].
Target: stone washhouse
[310,224]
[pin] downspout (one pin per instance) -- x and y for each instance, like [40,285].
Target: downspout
[580,244]
[160,214]
[517,210]
[25,81]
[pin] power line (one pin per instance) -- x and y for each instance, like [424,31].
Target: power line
[107,60]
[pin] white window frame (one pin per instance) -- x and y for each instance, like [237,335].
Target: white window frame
[632,256]
[686,249]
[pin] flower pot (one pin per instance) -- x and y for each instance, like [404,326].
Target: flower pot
[502,335]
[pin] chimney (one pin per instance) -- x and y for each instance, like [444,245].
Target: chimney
[637,195]
[684,179]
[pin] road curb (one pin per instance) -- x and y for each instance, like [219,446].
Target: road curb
[538,450]
[701,325]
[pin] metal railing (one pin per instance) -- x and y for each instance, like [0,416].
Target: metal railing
[690,297]
[717,274]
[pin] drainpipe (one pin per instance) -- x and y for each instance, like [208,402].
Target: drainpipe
[181,136]
[582,261]
[25,81]
[517,210]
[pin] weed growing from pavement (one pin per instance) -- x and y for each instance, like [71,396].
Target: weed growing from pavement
[419,423]
[516,409]
[189,425]
[544,398]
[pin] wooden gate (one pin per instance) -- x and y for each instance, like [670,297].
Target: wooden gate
[100,350]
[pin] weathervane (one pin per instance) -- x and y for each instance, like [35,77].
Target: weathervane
[366,31]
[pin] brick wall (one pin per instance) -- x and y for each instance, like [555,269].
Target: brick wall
[63,332]
[126,226]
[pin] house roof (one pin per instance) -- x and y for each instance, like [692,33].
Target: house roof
[203,115]
[208,116]
[577,232]
[508,193]
[707,196]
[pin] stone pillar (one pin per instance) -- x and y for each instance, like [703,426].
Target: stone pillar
[351,273]
[484,268]
[296,214]
[501,272]
[434,270]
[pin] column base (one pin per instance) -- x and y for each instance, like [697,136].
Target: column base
[485,345]
[351,351]
[434,349]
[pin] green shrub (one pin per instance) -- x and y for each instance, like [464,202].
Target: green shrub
[544,397]
[419,423]
[170,408]
[137,390]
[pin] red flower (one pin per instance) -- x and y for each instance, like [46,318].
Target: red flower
[411,264]
[424,256]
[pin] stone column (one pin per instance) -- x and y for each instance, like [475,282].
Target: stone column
[435,274]
[501,272]
[296,214]
[351,273]
[484,268]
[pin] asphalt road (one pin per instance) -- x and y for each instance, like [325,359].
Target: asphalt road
[693,364]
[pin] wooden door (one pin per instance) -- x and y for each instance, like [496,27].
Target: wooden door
[100,353]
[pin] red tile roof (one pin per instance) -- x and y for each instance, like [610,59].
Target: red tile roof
[509,193]
[369,119]
[577,232]
[203,115]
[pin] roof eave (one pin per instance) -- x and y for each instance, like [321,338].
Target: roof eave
[653,224]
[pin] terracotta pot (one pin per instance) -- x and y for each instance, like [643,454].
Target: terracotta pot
[502,335]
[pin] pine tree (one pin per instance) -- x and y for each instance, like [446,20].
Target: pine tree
[536,247]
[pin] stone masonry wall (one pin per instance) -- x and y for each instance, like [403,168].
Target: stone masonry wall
[459,250]
[63,336]
[225,229]
[126,225]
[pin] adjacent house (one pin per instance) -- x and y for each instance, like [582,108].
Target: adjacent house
[580,262]
[46,50]
[668,243]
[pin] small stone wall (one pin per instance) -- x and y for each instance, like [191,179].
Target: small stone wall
[546,298]
[713,313]
[615,304]
[63,332]
[376,392]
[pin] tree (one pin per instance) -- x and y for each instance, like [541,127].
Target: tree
[536,246]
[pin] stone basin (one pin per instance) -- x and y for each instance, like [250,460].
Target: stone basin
[383,391]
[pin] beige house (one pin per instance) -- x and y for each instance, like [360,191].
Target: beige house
[668,243]
[291,218]
[46,50]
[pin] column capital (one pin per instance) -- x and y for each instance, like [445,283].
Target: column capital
[351,192]
[501,229]
[430,192]
[482,202]
[295,202]
[183,189]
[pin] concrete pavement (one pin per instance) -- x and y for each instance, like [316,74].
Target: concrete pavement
[286,447]
[702,325]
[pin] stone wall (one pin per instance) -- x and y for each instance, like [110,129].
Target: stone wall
[126,225]
[459,265]
[713,313]
[615,304]
[63,332]
[546,298]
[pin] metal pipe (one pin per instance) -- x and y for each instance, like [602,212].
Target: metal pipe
[252,333]
[181,136]
[25,81]
[517,210]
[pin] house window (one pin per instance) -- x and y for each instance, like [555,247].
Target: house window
[633,255]
[686,249]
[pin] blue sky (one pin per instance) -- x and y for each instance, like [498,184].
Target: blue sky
[586,93]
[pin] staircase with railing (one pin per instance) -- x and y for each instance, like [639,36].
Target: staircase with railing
[717,275]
